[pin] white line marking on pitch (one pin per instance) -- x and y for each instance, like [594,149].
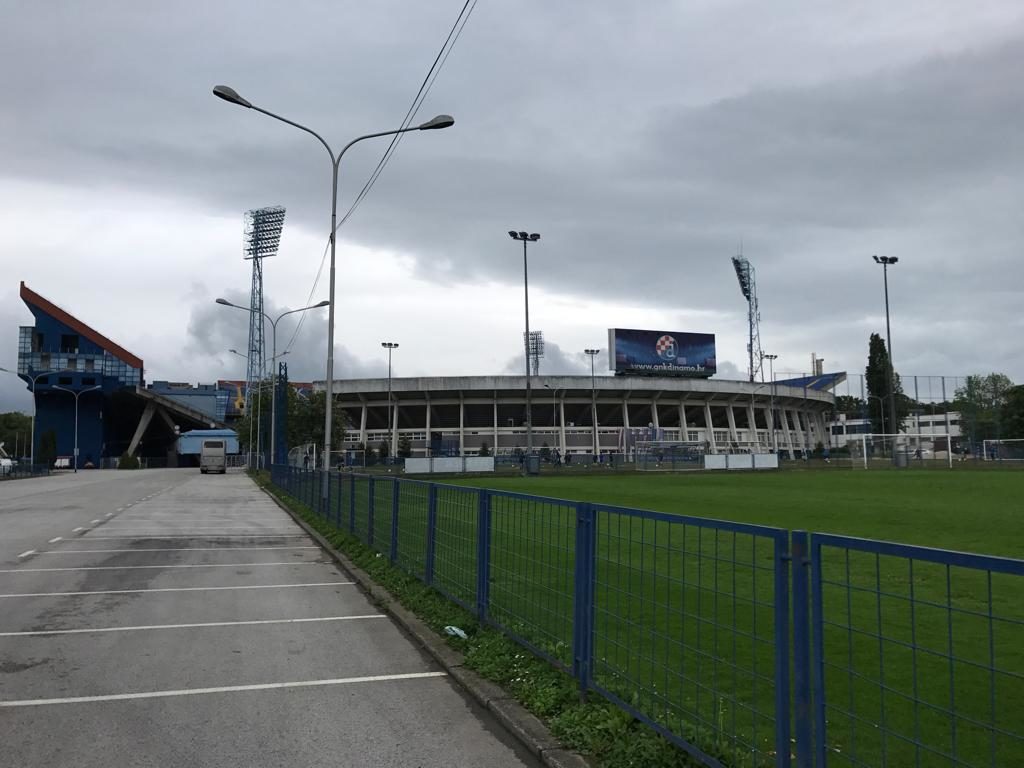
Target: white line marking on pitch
[172,549]
[201,625]
[222,689]
[55,539]
[138,567]
[27,553]
[183,589]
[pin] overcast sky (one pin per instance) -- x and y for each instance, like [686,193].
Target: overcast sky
[644,141]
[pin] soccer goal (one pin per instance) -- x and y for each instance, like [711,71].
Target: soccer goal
[878,451]
[1003,450]
[668,455]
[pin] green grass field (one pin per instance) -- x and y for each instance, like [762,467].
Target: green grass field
[923,665]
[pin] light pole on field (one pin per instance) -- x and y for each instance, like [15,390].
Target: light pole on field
[771,408]
[527,238]
[592,353]
[441,121]
[389,346]
[77,393]
[34,379]
[886,262]
[273,357]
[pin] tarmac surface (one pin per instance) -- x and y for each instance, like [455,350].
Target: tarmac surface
[167,618]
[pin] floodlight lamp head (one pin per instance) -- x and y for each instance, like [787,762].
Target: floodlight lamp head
[441,121]
[893,259]
[877,260]
[324,303]
[534,237]
[230,95]
[514,235]
[591,351]
[224,302]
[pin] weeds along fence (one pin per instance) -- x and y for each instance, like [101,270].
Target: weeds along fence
[744,645]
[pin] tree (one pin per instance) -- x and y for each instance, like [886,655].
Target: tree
[404,446]
[15,429]
[383,450]
[485,449]
[1013,413]
[876,375]
[850,405]
[47,448]
[545,452]
[982,402]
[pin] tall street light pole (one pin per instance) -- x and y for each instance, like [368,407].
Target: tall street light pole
[259,405]
[527,238]
[390,345]
[593,394]
[441,121]
[77,394]
[886,262]
[771,408]
[273,357]
[34,379]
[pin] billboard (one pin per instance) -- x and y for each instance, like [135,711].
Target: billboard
[661,353]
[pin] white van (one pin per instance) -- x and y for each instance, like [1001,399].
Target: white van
[212,457]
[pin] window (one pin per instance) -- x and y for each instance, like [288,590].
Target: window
[42,380]
[69,343]
[44,361]
[64,380]
[88,381]
[89,363]
[73,363]
[213,444]
[37,342]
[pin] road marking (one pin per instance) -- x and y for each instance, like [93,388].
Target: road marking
[172,549]
[109,514]
[201,625]
[221,689]
[55,539]
[120,509]
[76,530]
[94,522]
[26,553]
[182,589]
[202,536]
[137,567]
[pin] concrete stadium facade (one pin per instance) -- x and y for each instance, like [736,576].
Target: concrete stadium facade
[469,411]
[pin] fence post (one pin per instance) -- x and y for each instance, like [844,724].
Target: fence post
[584,576]
[428,570]
[483,554]
[370,494]
[801,651]
[352,506]
[396,489]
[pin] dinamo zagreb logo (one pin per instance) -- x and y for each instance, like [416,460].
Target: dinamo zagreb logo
[666,348]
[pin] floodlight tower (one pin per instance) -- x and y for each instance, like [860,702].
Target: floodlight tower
[262,236]
[535,344]
[748,287]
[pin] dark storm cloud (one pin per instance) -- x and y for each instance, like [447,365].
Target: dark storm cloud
[642,145]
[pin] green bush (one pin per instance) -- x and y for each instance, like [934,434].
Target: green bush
[127,461]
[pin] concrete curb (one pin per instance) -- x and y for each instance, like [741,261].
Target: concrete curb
[528,729]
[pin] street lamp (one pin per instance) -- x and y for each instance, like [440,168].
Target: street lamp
[34,379]
[886,262]
[593,395]
[554,408]
[527,238]
[771,374]
[77,394]
[390,345]
[441,121]
[259,406]
[273,357]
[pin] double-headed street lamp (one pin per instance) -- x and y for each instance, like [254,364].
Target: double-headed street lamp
[527,238]
[886,262]
[77,393]
[441,121]
[592,353]
[771,408]
[389,346]
[273,356]
[259,407]
[34,379]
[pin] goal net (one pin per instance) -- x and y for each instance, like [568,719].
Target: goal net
[668,455]
[1003,450]
[878,451]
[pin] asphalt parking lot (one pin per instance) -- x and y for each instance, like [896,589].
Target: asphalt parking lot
[165,618]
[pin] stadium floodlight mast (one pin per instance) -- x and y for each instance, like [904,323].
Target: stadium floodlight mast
[886,262]
[593,395]
[440,121]
[273,357]
[389,346]
[77,394]
[771,408]
[34,379]
[527,238]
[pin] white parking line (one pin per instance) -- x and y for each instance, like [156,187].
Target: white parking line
[137,567]
[109,514]
[201,625]
[202,536]
[27,553]
[171,549]
[76,530]
[181,589]
[120,509]
[94,522]
[55,539]
[221,689]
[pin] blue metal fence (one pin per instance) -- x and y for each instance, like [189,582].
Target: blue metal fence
[745,645]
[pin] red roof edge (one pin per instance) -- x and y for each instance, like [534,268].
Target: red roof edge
[32,298]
